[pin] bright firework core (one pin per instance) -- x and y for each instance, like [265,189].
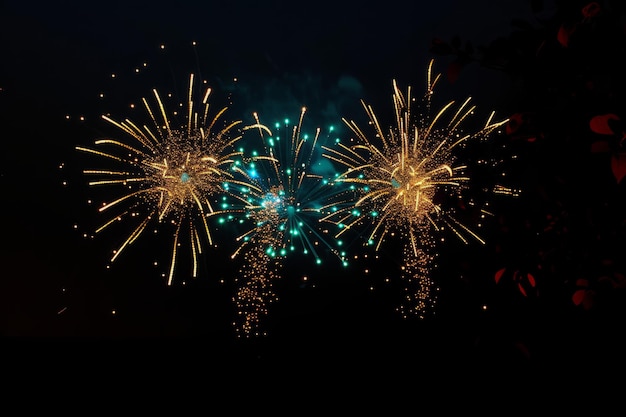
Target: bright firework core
[183,171]
[415,181]
[276,201]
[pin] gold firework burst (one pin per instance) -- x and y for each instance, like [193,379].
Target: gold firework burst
[170,173]
[402,174]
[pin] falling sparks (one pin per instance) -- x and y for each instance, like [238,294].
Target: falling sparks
[169,174]
[403,177]
[256,291]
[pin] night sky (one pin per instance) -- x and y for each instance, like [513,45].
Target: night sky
[558,305]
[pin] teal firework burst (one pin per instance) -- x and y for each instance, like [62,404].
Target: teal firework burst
[292,187]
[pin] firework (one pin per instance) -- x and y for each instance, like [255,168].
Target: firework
[171,173]
[284,209]
[256,291]
[404,176]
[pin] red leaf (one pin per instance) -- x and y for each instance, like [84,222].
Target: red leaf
[564,34]
[618,166]
[578,296]
[589,299]
[600,124]
[600,146]
[591,9]
[531,279]
[521,289]
[499,274]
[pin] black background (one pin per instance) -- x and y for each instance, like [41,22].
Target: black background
[56,295]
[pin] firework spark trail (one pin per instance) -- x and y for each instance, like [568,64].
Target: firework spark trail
[284,209]
[169,173]
[402,175]
[256,290]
